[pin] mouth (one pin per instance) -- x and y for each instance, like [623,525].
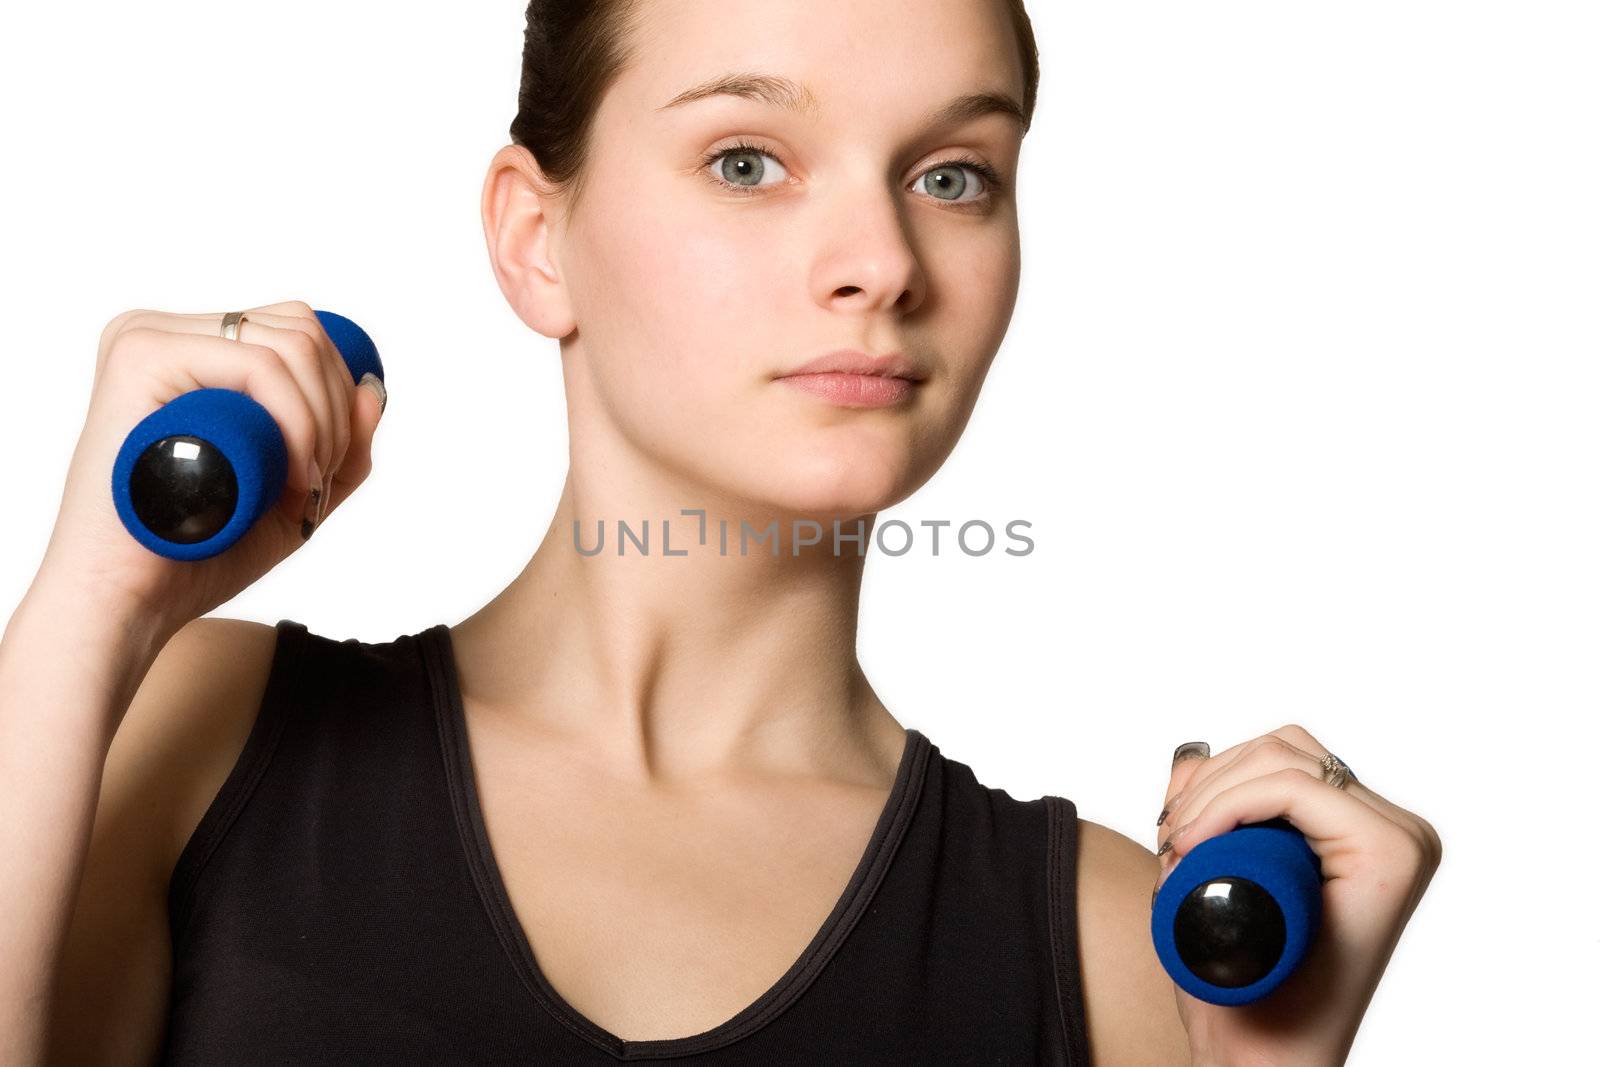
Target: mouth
[853,389]
[851,378]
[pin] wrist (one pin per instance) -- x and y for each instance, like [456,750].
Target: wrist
[83,618]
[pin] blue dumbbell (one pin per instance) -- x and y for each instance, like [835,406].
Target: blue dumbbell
[195,474]
[1236,915]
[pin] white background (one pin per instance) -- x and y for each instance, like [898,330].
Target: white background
[1299,396]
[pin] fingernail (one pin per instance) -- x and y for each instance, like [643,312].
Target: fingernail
[1153,890]
[1190,749]
[1163,816]
[375,383]
[313,503]
[313,513]
[1166,846]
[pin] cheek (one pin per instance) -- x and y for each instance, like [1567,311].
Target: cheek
[688,303]
[978,286]
[978,280]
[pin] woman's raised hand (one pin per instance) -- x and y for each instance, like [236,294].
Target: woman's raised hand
[285,361]
[1377,859]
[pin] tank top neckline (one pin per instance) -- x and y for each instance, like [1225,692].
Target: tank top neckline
[889,830]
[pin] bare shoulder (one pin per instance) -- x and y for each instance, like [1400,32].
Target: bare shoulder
[197,715]
[179,739]
[1129,999]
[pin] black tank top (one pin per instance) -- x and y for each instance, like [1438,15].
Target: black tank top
[339,903]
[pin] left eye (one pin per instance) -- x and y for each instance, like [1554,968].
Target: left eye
[950,177]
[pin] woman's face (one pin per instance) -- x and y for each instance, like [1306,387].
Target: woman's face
[845,226]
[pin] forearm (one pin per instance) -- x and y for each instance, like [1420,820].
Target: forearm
[69,667]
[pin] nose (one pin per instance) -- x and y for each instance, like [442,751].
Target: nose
[869,262]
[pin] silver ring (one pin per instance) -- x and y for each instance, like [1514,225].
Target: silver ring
[1336,772]
[230,324]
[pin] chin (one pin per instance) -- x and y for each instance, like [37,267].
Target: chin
[829,484]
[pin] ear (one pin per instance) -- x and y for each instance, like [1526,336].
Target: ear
[517,227]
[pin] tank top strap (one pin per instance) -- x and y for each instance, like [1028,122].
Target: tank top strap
[281,693]
[1062,886]
[992,880]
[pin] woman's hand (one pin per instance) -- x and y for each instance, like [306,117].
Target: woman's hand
[1377,859]
[284,360]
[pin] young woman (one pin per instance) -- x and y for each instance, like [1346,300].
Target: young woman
[634,807]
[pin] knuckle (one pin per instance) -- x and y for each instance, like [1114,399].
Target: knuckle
[1277,746]
[133,339]
[1259,754]
[1404,848]
[300,308]
[260,357]
[1294,776]
[1267,752]
[297,346]
[1431,842]
[116,324]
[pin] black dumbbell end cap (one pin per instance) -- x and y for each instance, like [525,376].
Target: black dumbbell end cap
[183,489]
[1229,932]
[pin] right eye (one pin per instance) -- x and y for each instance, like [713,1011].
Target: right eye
[740,167]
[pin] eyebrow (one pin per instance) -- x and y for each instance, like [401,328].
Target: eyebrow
[792,96]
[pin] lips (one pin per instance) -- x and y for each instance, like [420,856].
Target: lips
[852,361]
[853,390]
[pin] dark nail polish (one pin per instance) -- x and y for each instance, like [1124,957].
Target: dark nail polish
[1163,816]
[313,514]
[1166,846]
[1190,749]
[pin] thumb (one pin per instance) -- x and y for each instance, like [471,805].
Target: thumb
[375,384]
[371,398]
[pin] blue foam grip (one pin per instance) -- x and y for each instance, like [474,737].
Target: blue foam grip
[1274,856]
[243,434]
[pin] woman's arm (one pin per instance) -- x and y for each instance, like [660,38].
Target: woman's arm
[69,666]
[181,737]
[1129,1000]
[101,790]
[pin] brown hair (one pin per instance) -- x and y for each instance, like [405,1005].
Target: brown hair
[573,50]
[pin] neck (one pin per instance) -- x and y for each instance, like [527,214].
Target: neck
[684,667]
